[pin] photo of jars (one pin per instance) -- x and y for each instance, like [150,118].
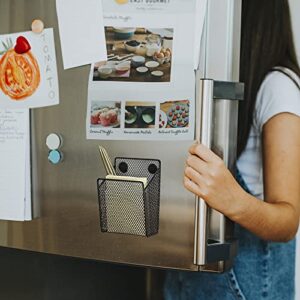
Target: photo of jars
[137,55]
[140,115]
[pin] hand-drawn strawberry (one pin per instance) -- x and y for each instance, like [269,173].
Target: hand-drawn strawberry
[22,45]
[19,70]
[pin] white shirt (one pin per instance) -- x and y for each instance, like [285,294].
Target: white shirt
[277,94]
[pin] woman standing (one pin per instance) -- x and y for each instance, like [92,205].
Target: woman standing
[265,199]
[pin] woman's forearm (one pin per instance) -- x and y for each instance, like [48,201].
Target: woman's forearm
[274,219]
[269,221]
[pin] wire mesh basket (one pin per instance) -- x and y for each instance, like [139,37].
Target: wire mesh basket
[128,206]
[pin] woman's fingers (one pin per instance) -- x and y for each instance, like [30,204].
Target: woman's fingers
[197,164]
[204,173]
[201,151]
[193,175]
[207,177]
[191,186]
[204,153]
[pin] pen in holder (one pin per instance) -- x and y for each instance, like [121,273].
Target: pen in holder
[130,206]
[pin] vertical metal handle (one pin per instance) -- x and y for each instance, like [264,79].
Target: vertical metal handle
[204,136]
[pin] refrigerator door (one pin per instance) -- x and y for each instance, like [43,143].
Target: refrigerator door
[214,232]
[65,195]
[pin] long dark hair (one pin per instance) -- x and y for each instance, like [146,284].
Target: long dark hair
[267,42]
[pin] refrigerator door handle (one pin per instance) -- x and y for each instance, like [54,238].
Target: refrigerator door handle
[206,250]
[204,136]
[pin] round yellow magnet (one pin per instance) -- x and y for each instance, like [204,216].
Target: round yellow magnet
[37,26]
[121,1]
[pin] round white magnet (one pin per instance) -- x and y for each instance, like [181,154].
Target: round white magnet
[53,141]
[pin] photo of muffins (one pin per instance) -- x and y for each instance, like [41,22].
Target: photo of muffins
[105,114]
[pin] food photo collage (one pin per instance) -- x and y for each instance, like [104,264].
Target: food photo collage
[136,55]
[139,115]
[145,90]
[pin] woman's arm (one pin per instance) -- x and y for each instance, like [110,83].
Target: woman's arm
[276,218]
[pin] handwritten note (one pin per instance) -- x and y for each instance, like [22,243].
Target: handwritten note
[14,162]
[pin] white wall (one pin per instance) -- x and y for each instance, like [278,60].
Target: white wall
[295,9]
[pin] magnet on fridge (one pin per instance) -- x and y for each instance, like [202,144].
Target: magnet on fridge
[55,157]
[37,26]
[54,141]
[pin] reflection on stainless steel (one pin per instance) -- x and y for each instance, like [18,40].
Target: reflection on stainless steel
[205,100]
[65,195]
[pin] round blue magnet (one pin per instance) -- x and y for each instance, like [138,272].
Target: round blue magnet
[55,157]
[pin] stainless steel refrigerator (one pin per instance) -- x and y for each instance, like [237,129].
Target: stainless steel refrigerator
[190,236]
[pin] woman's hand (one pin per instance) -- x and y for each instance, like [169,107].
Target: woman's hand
[207,176]
[277,217]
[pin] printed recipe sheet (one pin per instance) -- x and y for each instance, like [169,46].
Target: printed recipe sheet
[146,88]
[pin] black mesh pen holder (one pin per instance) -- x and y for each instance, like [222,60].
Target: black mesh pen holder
[128,206]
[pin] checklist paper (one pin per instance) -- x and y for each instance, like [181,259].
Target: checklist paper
[15,183]
[81,32]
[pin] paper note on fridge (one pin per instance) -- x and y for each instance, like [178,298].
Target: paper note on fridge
[128,178]
[15,196]
[28,71]
[81,32]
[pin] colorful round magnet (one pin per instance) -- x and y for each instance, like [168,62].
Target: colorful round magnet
[37,26]
[55,157]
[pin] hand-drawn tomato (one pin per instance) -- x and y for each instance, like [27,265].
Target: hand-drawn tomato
[19,71]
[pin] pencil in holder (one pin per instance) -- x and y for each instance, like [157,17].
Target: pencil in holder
[128,206]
